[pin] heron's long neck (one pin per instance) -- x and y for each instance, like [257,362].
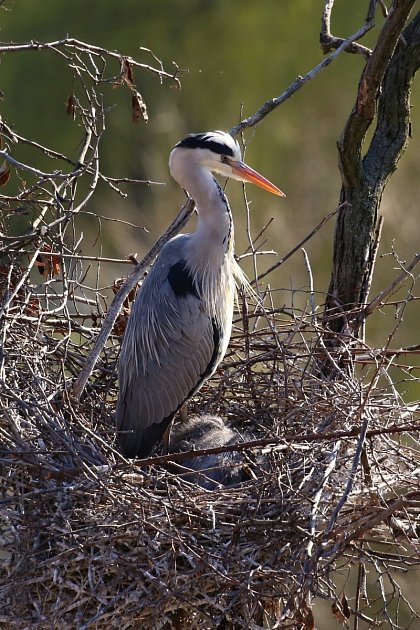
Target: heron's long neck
[214,234]
[210,256]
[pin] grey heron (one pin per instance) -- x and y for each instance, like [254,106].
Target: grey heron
[181,320]
[214,469]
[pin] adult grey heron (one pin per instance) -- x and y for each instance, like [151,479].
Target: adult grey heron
[181,321]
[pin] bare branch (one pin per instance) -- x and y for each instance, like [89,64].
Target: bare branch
[269,106]
[300,244]
[70,44]
[378,300]
[329,42]
[351,140]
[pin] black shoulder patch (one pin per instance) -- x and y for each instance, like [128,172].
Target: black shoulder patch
[205,141]
[181,280]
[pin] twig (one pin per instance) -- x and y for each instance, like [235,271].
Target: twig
[311,285]
[332,456]
[272,104]
[35,171]
[329,42]
[300,244]
[352,475]
[376,302]
[102,259]
[282,443]
[75,44]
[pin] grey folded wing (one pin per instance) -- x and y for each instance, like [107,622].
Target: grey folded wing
[170,347]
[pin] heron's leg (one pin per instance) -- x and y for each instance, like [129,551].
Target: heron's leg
[182,414]
[165,439]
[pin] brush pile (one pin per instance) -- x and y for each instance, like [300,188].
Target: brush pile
[90,540]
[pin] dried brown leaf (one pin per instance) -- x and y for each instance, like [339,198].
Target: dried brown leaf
[306,617]
[138,107]
[340,610]
[4,174]
[127,71]
[48,266]
[345,606]
[71,106]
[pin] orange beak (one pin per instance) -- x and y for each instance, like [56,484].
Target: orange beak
[246,173]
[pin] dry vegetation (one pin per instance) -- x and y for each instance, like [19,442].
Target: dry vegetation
[90,540]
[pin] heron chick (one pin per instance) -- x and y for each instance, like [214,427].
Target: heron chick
[181,321]
[214,469]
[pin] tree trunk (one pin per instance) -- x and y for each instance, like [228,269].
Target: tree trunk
[384,92]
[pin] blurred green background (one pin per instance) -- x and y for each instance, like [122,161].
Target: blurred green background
[233,55]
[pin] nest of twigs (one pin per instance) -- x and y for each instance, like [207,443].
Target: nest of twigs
[90,540]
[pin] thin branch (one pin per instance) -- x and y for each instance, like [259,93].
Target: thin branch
[73,44]
[352,476]
[282,443]
[329,42]
[25,167]
[269,106]
[316,229]
[311,285]
[377,301]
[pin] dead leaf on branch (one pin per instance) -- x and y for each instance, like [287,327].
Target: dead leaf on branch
[305,616]
[71,106]
[4,174]
[340,610]
[48,265]
[127,72]
[9,279]
[138,107]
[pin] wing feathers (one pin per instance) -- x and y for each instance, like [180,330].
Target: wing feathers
[169,348]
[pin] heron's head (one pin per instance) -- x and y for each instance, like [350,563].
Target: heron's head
[220,153]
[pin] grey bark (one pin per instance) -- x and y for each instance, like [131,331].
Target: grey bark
[384,94]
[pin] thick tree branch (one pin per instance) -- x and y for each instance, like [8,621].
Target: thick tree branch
[388,74]
[351,141]
[393,126]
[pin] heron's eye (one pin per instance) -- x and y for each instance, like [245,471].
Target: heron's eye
[224,159]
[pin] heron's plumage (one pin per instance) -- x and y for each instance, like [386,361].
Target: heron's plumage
[217,142]
[171,345]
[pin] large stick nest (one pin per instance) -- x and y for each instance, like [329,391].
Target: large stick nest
[92,540]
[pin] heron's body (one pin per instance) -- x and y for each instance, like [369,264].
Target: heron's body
[181,321]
